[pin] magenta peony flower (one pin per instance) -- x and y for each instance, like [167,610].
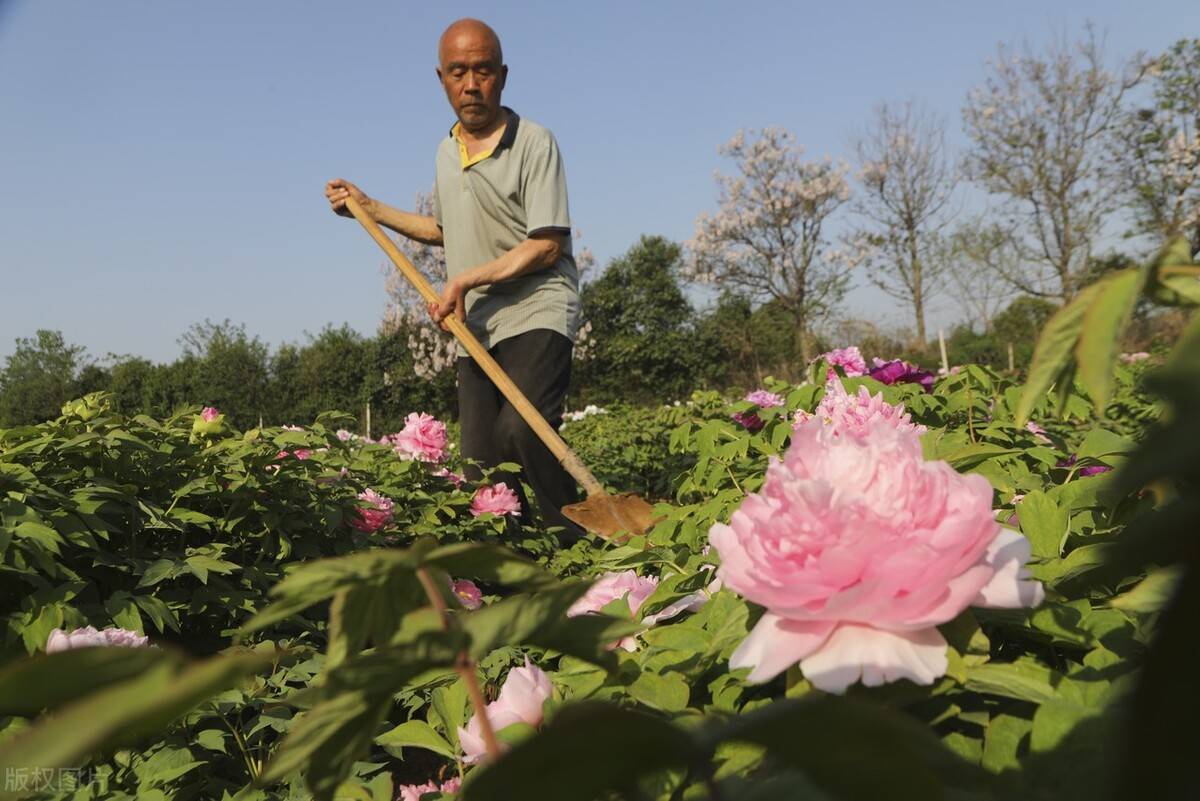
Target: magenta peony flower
[498,500]
[749,421]
[901,372]
[521,698]
[763,399]
[467,593]
[845,413]
[1094,469]
[87,637]
[858,548]
[849,359]
[423,438]
[376,516]
[209,414]
[413,792]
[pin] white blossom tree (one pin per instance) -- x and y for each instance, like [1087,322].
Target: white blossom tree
[1157,148]
[1038,126]
[768,238]
[907,181]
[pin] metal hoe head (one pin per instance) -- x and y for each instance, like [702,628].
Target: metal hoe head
[616,517]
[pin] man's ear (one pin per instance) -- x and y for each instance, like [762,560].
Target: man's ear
[503,75]
[438,70]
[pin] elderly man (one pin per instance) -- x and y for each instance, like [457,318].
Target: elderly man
[500,204]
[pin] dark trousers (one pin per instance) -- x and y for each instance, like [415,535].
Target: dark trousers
[539,363]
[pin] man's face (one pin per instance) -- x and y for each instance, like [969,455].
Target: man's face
[473,77]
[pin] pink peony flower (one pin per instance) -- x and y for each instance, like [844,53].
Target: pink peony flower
[87,637]
[1038,432]
[345,436]
[635,590]
[749,421]
[209,414]
[849,359]
[901,372]
[858,548]
[413,792]
[846,413]
[521,698]
[423,438]
[764,400]
[498,500]
[454,478]
[1132,358]
[467,593]
[376,516]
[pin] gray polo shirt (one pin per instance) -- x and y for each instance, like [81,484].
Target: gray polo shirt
[489,204]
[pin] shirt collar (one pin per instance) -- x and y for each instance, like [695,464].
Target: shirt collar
[510,130]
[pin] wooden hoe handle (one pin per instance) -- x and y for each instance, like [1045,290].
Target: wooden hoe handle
[570,462]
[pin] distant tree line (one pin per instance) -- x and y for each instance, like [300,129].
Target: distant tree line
[1065,145]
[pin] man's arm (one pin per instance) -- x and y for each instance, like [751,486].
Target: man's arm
[541,250]
[414,226]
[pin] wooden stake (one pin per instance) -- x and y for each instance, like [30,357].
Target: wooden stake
[942,345]
[1011,366]
[368,419]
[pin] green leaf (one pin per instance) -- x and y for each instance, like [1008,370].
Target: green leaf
[1052,354]
[1044,522]
[1103,324]
[550,767]
[160,570]
[1023,680]
[490,563]
[123,712]
[1005,742]
[47,681]
[894,756]
[541,619]
[666,693]
[417,734]
[1153,593]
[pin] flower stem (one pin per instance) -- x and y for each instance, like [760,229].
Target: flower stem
[465,667]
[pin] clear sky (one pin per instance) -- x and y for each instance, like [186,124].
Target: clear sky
[163,163]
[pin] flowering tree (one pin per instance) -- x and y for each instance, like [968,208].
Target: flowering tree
[768,238]
[1038,125]
[907,181]
[1157,148]
[433,351]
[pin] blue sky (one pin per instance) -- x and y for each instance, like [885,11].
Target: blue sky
[164,162]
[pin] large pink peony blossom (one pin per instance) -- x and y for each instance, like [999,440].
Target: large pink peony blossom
[423,438]
[499,500]
[763,399]
[87,637]
[374,517]
[850,359]
[858,548]
[520,701]
[845,413]
[209,413]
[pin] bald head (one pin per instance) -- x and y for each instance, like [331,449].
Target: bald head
[471,70]
[471,35]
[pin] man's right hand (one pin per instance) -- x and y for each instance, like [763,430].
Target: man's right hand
[338,190]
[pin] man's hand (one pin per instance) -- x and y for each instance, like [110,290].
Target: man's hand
[338,190]
[453,301]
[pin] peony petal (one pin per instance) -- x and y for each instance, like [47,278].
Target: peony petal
[1012,585]
[776,644]
[876,656]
